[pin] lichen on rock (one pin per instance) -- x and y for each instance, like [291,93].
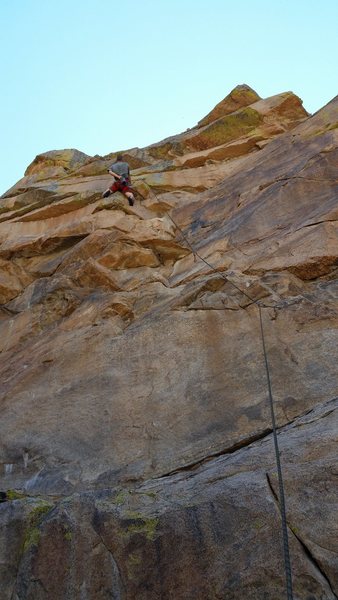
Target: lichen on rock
[136,450]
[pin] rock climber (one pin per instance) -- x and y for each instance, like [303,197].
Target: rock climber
[121,173]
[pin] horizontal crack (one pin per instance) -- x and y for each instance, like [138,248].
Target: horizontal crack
[315,420]
[230,450]
[249,440]
[316,414]
[313,224]
[196,308]
[306,178]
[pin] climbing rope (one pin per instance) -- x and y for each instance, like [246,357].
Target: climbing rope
[287,562]
[260,305]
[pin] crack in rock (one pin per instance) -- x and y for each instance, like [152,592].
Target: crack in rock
[306,551]
[312,559]
[231,450]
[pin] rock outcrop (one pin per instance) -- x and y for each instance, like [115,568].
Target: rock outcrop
[136,449]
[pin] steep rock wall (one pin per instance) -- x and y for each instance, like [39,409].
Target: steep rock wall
[136,450]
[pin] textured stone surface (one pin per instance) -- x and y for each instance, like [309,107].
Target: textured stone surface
[68,159]
[135,433]
[210,532]
[241,96]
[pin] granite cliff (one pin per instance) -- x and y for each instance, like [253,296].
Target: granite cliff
[135,435]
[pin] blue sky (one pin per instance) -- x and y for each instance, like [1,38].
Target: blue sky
[103,75]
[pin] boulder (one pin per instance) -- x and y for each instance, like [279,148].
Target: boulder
[68,160]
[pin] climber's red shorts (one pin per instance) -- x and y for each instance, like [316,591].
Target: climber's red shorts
[120,187]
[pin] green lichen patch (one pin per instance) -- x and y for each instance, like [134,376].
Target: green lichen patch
[134,565]
[149,494]
[36,517]
[134,559]
[226,129]
[322,130]
[248,95]
[14,495]
[68,535]
[258,524]
[120,498]
[136,523]
[294,530]
[32,538]
[161,151]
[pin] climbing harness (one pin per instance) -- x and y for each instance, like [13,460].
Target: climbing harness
[260,305]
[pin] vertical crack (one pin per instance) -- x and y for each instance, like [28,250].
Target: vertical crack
[310,556]
[307,552]
[273,493]
[15,585]
[120,591]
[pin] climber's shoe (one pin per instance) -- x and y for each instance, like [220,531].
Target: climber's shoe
[106,194]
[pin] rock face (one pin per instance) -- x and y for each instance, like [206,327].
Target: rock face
[136,450]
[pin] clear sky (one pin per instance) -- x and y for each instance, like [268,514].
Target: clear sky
[107,75]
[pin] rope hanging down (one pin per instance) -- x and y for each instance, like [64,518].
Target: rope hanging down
[260,305]
[287,563]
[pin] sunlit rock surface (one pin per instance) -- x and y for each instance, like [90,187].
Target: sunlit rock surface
[136,452]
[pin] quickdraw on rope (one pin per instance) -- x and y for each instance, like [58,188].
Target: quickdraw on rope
[260,305]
